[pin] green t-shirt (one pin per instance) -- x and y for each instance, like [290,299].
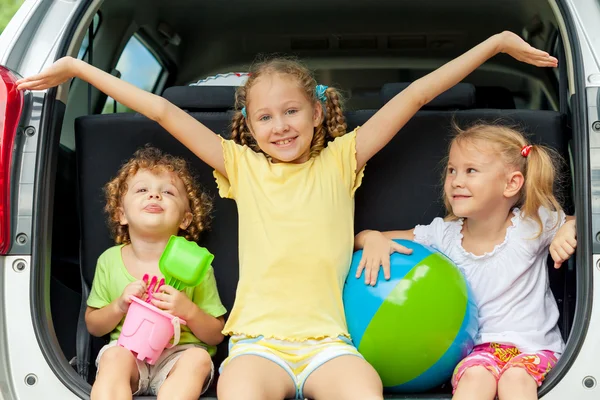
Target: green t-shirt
[112,277]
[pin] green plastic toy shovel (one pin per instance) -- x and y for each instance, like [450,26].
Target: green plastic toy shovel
[184,263]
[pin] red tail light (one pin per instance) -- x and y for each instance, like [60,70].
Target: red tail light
[11,106]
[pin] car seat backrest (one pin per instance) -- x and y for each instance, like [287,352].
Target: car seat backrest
[458,97]
[201,98]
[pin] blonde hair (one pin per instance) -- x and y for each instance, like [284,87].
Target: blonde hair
[539,167]
[333,124]
[152,159]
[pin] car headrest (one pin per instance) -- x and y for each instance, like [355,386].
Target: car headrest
[201,98]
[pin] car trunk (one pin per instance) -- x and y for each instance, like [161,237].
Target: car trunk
[356,46]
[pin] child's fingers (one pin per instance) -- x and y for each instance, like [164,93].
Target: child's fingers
[137,288]
[169,290]
[161,296]
[361,266]
[542,60]
[374,273]
[368,272]
[539,62]
[25,85]
[546,57]
[163,305]
[563,250]
[572,242]
[554,254]
[398,248]
[561,255]
[566,247]
[539,57]
[371,271]
[34,85]
[30,78]
[537,52]
[385,264]
[546,64]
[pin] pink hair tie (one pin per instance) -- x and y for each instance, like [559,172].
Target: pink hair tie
[526,150]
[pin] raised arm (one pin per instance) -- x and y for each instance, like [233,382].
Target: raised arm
[382,127]
[194,135]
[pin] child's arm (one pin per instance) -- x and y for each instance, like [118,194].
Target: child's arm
[382,127]
[101,321]
[206,327]
[203,325]
[377,248]
[564,243]
[194,135]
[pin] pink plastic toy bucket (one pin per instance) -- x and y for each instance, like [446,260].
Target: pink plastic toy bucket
[147,330]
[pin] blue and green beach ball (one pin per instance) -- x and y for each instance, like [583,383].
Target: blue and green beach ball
[415,327]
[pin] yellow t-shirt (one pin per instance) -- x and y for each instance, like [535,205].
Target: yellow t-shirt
[296,235]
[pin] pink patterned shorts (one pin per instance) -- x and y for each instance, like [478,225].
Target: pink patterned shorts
[497,358]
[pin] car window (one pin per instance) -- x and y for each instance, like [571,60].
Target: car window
[140,67]
[83,50]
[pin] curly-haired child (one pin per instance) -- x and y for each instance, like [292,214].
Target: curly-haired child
[153,197]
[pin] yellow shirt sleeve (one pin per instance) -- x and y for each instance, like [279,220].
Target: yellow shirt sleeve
[232,152]
[342,153]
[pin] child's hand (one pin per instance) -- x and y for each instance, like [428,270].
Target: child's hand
[516,47]
[564,243]
[376,253]
[137,289]
[59,72]
[173,301]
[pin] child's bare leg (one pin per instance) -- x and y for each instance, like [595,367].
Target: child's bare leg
[516,384]
[476,383]
[251,377]
[118,375]
[345,377]
[188,376]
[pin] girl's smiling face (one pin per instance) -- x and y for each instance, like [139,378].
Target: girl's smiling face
[281,118]
[476,179]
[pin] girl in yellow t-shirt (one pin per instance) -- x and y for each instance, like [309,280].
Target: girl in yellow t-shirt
[292,171]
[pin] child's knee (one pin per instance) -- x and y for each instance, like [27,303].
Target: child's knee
[117,357]
[478,374]
[196,358]
[516,377]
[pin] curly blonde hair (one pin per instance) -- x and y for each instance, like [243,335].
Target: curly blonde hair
[333,124]
[152,159]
